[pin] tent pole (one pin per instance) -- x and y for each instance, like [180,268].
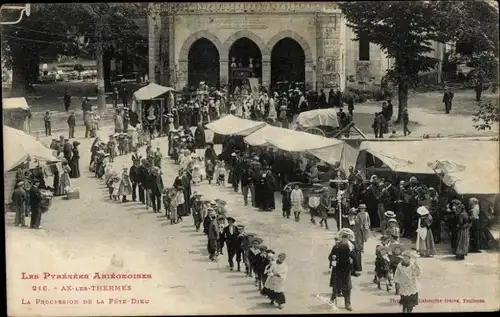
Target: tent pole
[339,202]
[161,116]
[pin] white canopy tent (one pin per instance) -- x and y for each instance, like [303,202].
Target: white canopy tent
[470,166]
[151,91]
[259,137]
[16,113]
[318,117]
[297,141]
[233,125]
[19,146]
[343,153]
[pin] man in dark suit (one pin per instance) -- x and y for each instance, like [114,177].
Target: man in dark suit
[342,257]
[230,235]
[447,99]
[35,197]
[156,187]
[213,234]
[142,178]
[186,185]
[134,178]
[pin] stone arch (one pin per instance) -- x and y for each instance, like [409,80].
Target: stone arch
[238,35]
[183,54]
[284,34]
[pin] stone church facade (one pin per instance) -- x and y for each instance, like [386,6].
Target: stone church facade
[317,31]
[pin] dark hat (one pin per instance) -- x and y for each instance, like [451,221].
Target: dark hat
[231,219]
[241,226]
[262,247]
[221,218]
[75,143]
[270,251]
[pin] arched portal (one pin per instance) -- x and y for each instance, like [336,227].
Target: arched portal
[203,64]
[245,62]
[287,63]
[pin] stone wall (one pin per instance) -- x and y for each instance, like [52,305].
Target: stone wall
[263,29]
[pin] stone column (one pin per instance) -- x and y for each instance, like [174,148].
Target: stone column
[182,74]
[328,46]
[154,27]
[172,63]
[224,72]
[266,72]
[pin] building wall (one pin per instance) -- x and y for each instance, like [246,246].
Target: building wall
[331,55]
[263,29]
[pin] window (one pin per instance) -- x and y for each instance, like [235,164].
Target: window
[364,48]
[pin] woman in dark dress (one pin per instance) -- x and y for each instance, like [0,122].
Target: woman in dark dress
[74,163]
[463,235]
[199,137]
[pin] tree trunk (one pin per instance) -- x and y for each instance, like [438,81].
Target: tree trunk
[20,70]
[107,72]
[402,99]
[101,93]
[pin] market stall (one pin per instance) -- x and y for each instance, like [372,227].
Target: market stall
[24,151]
[16,114]
[151,102]
[233,125]
[413,157]
[297,141]
[23,147]
[259,137]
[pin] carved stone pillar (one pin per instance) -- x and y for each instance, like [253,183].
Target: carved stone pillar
[266,72]
[154,27]
[224,72]
[329,70]
[182,74]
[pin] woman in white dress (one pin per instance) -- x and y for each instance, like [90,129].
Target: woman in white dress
[64,180]
[407,276]
[275,282]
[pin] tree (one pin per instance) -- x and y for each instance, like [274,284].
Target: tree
[405,31]
[473,25]
[101,27]
[486,116]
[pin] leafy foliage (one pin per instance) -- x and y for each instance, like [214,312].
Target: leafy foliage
[486,115]
[76,29]
[405,31]
[475,29]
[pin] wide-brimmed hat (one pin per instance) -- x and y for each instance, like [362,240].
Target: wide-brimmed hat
[362,206]
[407,253]
[213,203]
[353,211]
[230,219]
[393,220]
[240,226]
[384,248]
[196,194]
[390,214]
[221,218]
[346,231]
[422,211]
[394,246]
[222,202]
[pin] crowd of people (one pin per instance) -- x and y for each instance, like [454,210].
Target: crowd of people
[398,208]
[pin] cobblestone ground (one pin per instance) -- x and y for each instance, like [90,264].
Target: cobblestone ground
[94,234]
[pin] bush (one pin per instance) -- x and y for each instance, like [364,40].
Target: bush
[362,95]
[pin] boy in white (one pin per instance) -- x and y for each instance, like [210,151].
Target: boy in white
[296,199]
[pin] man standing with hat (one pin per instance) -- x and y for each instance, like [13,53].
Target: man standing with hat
[156,187]
[230,236]
[35,199]
[359,240]
[341,257]
[315,201]
[213,233]
[242,248]
[19,200]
